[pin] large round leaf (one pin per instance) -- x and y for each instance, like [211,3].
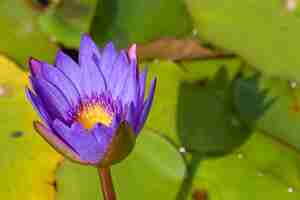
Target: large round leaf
[260,169]
[125,22]
[20,33]
[27,162]
[67,20]
[262,32]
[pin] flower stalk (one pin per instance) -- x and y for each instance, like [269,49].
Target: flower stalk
[107,186]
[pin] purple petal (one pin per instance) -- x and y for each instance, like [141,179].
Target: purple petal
[147,106]
[35,66]
[142,84]
[57,143]
[131,116]
[127,89]
[69,67]
[63,83]
[86,144]
[87,49]
[38,106]
[92,80]
[119,74]
[53,99]
[132,53]
[109,56]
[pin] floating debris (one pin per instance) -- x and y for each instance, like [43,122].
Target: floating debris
[17,134]
[4,90]
[200,195]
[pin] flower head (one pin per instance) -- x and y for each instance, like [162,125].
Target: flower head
[92,110]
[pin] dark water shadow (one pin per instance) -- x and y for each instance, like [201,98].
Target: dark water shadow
[217,116]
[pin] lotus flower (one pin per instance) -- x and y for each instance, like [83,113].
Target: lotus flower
[92,110]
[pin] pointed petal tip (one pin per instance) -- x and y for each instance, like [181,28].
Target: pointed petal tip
[28,93]
[147,106]
[132,52]
[42,129]
[153,84]
[59,54]
[110,48]
[85,39]
[34,66]
[85,36]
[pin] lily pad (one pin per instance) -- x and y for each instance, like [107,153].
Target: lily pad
[163,111]
[67,20]
[21,34]
[27,162]
[262,32]
[139,21]
[260,169]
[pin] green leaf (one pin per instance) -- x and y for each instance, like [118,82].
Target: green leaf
[152,171]
[260,169]
[262,32]
[162,117]
[21,34]
[138,21]
[67,20]
[27,162]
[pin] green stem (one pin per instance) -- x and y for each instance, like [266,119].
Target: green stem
[106,184]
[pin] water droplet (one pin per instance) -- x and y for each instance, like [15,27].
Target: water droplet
[240,155]
[53,39]
[182,150]
[293,84]
[155,61]
[195,32]
[290,189]
[260,174]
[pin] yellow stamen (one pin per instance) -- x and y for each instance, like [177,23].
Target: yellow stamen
[89,115]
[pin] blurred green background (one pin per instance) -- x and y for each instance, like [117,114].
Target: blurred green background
[225,123]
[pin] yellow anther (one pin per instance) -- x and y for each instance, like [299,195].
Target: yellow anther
[91,114]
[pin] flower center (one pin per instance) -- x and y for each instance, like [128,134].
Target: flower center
[91,114]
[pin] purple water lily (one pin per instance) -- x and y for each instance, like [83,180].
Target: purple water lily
[92,110]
